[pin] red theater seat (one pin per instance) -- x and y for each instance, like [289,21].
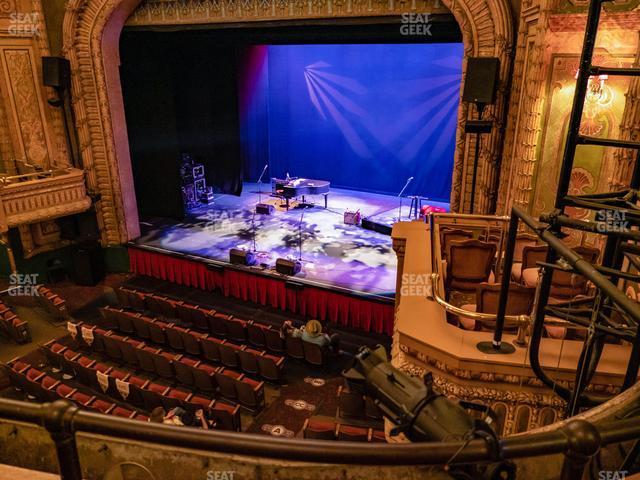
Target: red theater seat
[174,337]
[250,393]
[191,341]
[273,341]
[270,367]
[227,380]
[205,379]
[236,329]
[184,367]
[319,429]
[249,360]
[152,395]
[255,334]
[157,331]
[351,433]
[146,358]
[229,354]
[102,406]
[295,348]
[211,348]
[123,412]
[218,323]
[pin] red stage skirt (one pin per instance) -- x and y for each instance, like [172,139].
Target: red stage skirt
[340,309]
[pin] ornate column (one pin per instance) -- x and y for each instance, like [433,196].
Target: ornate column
[621,161]
[525,112]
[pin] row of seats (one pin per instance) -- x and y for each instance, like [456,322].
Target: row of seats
[53,303]
[225,326]
[12,326]
[171,366]
[251,361]
[125,385]
[45,388]
[320,429]
[357,405]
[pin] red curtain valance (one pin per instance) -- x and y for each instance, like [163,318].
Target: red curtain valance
[337,308]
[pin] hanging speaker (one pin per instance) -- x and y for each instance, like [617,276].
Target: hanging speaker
[481,80]
[56,72]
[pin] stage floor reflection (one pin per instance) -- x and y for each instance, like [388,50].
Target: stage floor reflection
[333,254]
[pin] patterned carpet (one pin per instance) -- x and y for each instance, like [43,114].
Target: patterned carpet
[335,254]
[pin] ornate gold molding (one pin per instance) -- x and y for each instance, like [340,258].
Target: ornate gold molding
[188,12]
[30,201]
[525,111]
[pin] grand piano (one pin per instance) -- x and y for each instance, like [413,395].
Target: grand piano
[299,187]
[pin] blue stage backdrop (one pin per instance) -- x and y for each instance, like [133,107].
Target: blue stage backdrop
[365,117]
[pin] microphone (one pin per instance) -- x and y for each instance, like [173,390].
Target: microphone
[262,174]
[410,178]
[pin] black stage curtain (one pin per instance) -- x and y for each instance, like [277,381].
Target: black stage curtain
[180,96]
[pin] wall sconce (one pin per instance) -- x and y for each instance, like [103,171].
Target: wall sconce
[596,91]
[598,100]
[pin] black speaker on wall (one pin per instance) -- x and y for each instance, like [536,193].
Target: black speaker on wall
[56,72]
[481,80]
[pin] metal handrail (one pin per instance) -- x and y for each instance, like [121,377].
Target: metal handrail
[578,439]
[436,261]
[437,296]
[6,179]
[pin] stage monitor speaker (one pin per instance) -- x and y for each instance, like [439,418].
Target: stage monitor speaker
[288,267]
[88,264]
[56,72]
[242,257]
[481,80]
[264,208]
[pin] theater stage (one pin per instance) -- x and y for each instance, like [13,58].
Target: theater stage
[345,257]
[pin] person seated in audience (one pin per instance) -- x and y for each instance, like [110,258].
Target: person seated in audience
[179,416]
[287,329]
[312,333]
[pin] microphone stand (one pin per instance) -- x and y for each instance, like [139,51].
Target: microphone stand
[400,196]
[260,183]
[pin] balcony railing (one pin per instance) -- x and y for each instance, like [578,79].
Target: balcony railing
[40,196]
[578,439]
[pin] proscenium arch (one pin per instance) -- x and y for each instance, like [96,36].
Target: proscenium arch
[91,33]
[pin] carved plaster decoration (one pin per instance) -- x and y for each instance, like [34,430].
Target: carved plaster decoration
[25,101]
